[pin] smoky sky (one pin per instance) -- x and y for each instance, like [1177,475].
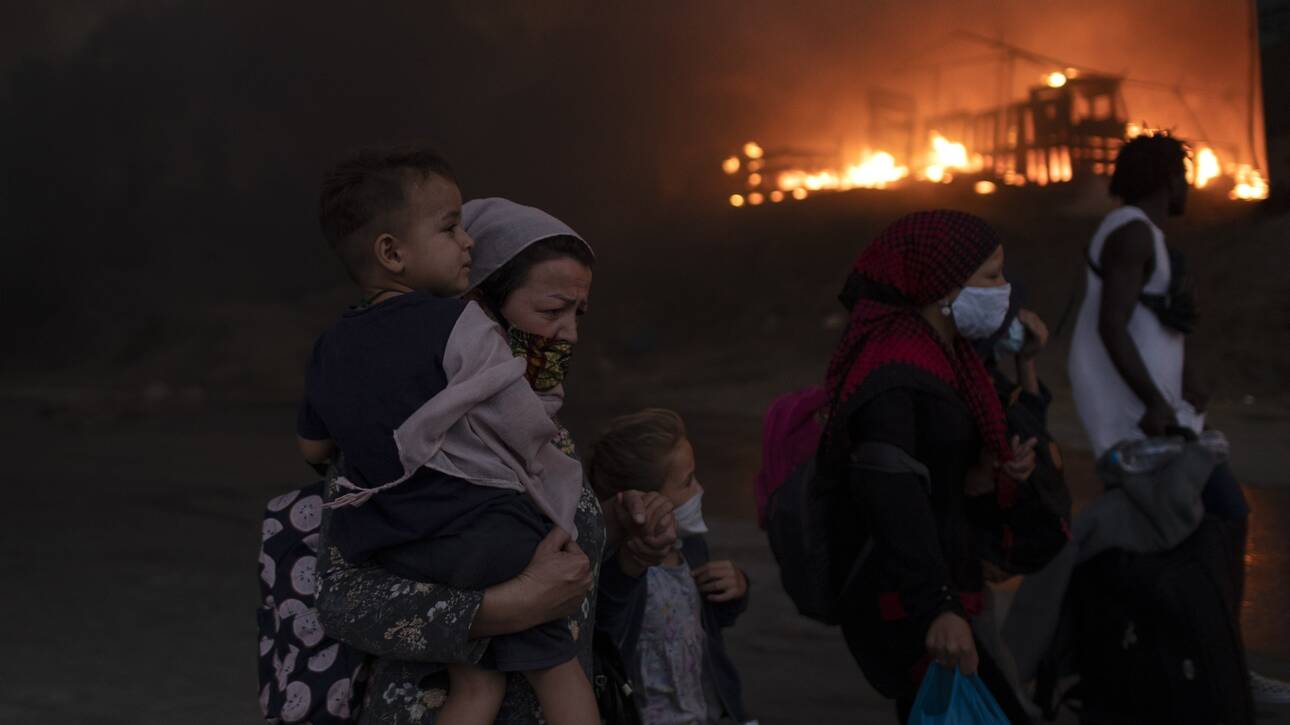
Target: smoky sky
[160,156]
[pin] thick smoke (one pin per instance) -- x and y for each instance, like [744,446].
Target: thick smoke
[160,157]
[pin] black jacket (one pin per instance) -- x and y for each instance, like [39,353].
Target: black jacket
[922,543]
[620,613]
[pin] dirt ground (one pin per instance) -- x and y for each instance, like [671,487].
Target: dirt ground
[136,488]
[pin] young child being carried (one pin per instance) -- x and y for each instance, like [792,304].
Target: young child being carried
[449,474]
[666,620]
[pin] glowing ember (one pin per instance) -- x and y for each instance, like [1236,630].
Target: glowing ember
[1250,184]
[1206,166]
[984,187]
[777,196]
[799,194]
[1012,178]
[736,200]
[756,198]
[752,150]
[754,181]
[1056,79]
[730,165]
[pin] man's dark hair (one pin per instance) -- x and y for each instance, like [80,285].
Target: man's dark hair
[1146,164]
[500,284]
[367,185]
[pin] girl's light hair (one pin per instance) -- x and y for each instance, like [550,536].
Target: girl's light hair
[631,454]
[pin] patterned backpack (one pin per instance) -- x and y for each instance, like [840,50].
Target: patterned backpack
[304,674]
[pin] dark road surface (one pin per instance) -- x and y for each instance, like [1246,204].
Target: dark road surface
[130,576]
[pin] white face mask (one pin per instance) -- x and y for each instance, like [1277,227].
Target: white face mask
[979,311]
[689,518]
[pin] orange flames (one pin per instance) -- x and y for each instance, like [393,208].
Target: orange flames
[768,182]
[1205,167]
[1250,184]
[874,170]
[947,156]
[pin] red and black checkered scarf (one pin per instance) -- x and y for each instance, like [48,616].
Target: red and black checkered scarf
[917,261]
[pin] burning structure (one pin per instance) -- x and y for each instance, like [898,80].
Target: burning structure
[1068,127]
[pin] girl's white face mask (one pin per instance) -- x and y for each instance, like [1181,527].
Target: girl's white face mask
[1012,341]
[979,311]
[689,518]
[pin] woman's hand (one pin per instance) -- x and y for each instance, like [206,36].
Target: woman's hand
[559,576]
[950,644]
[553,585]
[721,581]
[1023,459]
[649,528]
[1036,335]
[645,515]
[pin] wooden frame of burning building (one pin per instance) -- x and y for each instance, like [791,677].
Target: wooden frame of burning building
[1069,128]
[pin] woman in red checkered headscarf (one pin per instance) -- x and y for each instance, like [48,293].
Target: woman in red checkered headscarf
[917,451]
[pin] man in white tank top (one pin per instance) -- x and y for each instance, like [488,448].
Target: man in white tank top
[1128,371]
[1128,368]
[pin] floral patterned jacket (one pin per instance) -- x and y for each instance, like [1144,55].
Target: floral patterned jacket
[413,628]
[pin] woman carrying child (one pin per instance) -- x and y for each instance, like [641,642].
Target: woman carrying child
[418,624]
[667,619]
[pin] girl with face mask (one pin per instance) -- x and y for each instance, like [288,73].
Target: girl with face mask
[1042,513]
[667,619]
[916,458]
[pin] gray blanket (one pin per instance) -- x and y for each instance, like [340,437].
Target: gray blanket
[1141,513]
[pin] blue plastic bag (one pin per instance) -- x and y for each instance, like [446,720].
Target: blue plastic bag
[948,697]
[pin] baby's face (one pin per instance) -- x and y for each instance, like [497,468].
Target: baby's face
[435,246]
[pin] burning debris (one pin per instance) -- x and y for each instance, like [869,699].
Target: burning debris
[1070,126]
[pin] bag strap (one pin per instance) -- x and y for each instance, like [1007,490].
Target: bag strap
[889,458]
[1153,302]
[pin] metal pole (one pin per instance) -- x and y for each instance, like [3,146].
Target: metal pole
[1251,84]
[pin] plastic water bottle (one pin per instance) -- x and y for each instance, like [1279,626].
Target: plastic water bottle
[1144,455]
[1217,444]
[1150,454]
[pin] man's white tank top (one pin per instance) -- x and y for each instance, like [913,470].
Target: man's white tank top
[1106,404]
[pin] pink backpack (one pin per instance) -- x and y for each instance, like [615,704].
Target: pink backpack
[790,435]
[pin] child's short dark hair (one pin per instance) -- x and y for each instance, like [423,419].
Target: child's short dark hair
[1146,164]
[632,453]
[369,184]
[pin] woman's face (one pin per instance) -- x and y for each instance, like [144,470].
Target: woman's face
[679,482]
[554,295]
[989,274]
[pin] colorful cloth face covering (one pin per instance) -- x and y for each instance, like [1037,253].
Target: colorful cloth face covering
[546,358]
